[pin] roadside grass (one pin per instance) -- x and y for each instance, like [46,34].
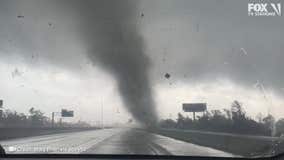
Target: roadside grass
[247,146]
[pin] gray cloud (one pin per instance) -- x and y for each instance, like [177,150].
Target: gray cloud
[204,40]
[191,40]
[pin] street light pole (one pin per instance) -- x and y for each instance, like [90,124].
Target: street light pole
[1,108]
[102,114]
[52,120]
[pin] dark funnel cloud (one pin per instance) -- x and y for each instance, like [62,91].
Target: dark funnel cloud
[111,35]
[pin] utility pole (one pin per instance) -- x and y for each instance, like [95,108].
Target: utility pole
[1,109]
[60,122]
[52,120]
[102,114]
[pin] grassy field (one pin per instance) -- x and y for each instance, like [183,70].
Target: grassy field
[243,145]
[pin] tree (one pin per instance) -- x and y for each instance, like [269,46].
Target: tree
[238,113]
[238,117]
[279,125]
[219,121]
[204,121]
[228,114]
[268,122]
[180,121]
[259,117]
[36,117]
[168,123]
[12,118]
[232,120]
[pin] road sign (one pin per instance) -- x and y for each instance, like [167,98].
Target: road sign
[194,107]
[66,113]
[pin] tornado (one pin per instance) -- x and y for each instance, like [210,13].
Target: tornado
[114,42]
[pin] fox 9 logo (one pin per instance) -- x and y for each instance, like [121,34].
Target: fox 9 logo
[264,9]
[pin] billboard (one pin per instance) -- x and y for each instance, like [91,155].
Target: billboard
[194,107]
[66,113]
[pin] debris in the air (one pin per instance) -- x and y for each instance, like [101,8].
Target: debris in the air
[260,86]
[257,84]
[197,27]
[20,16]
[244,51]
[167,75]
[16,73]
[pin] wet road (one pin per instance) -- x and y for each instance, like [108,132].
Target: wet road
[108,141]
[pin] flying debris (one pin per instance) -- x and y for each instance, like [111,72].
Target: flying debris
[244,51]
[130,120]
[16,73]
[167,75]
[257,84]
[197,27]
[21,16]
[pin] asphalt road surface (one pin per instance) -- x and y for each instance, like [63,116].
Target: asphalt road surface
[108,141]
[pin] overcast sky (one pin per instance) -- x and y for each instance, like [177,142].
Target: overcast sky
[213,51]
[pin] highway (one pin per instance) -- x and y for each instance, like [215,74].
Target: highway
[108,141]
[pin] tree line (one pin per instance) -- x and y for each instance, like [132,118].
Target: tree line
[233,120]
[34,118]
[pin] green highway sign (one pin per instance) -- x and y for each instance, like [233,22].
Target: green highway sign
[67,113]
